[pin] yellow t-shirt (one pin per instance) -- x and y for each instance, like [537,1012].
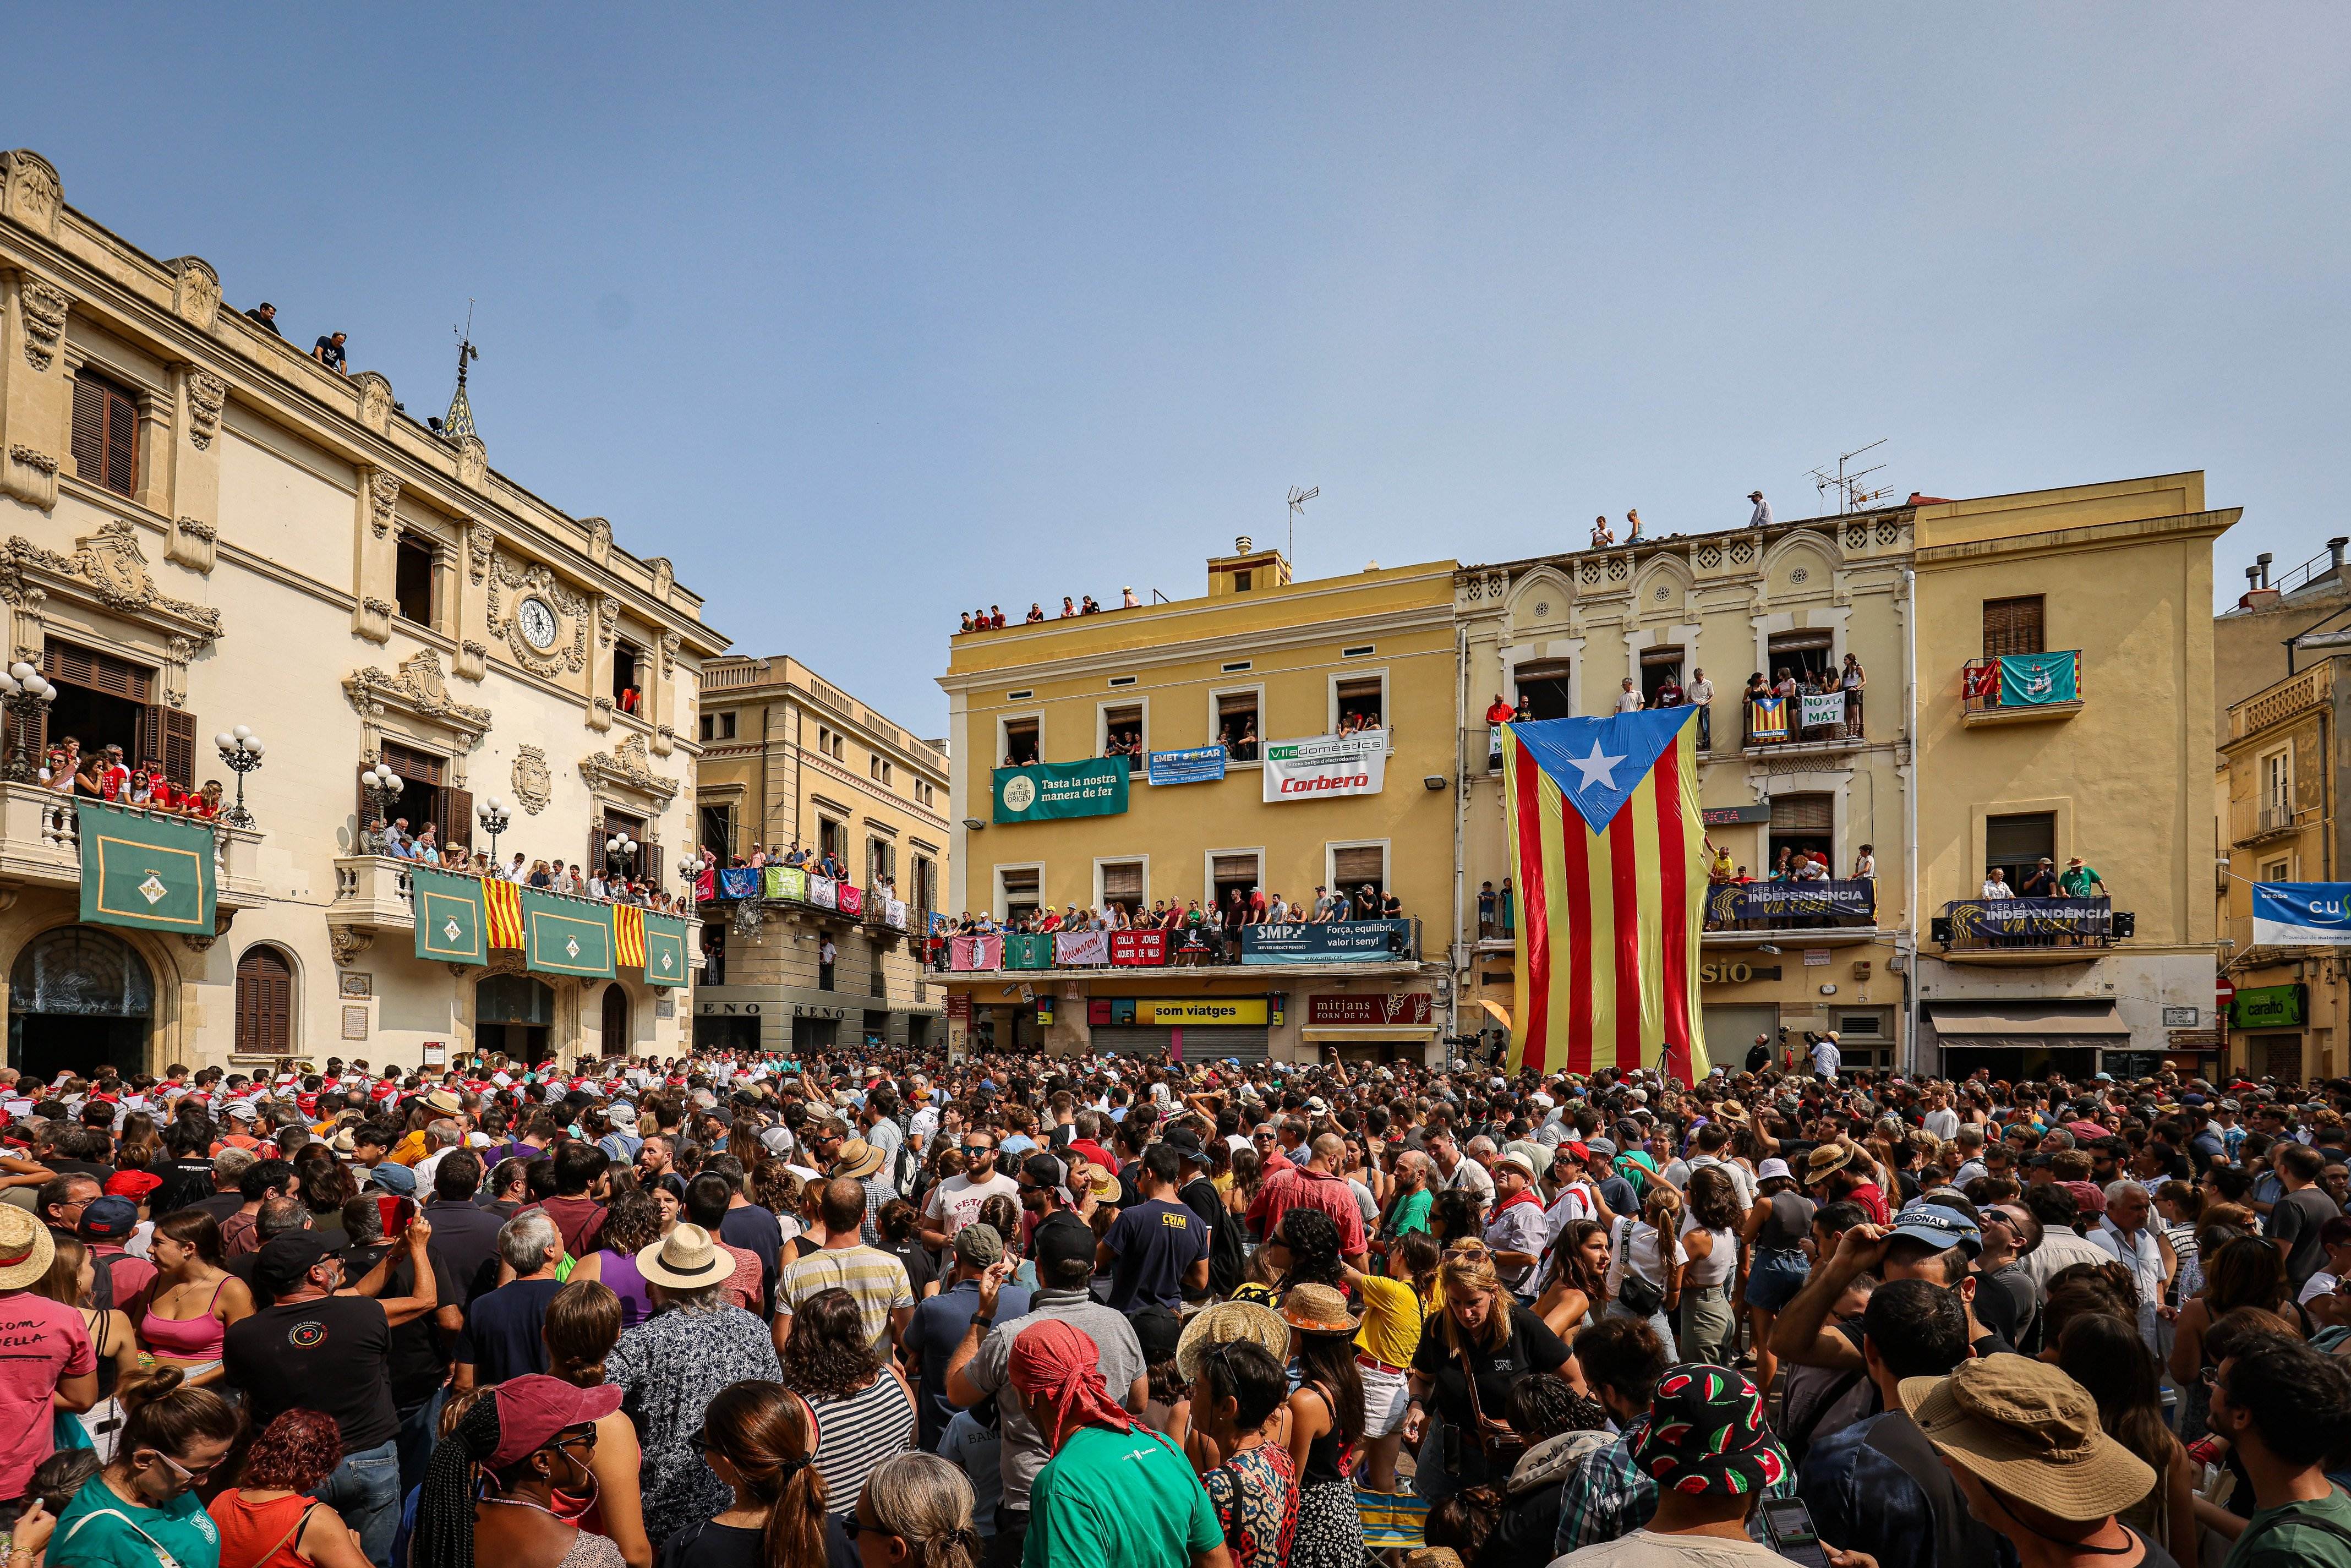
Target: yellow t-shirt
[1392,1315]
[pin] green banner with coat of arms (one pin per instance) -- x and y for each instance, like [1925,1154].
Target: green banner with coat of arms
[1094,788]
[665,958]
[567,935]
[449,920]
[155,873]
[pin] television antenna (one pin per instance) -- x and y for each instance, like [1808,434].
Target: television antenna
[1298,499]
[1852,496]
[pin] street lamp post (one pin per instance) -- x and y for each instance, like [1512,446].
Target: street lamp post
[621,848]
[383,786]
[240,753]
[495,819]
[26,695]
[692,870]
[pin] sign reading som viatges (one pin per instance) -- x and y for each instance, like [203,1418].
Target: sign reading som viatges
[1324,765]
[1042,791]
[2302,913]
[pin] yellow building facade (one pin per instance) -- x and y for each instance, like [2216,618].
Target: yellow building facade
[206,528]
[788,758]
[1256,658]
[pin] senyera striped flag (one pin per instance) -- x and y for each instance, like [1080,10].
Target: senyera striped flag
[1610,855]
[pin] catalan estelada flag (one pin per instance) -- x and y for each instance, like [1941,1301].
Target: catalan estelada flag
[629,936]
[502,901]
[1610,854]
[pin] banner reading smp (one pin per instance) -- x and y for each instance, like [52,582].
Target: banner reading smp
[1326,765]
[1094,788]
[2302,913]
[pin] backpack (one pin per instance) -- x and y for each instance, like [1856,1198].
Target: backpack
[1227,1260]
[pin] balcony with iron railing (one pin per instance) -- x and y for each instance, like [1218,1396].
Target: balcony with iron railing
[40,844]
[1823,721]
[2021,688]
[2029,931]
[2267,819]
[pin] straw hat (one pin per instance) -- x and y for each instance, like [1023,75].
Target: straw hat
[1220,1325]
[1821,1161]
[1317,1309]
[859,1159]
[1104,1185]
[26,1250]
[686,1260]
[448,1104]
[2031,1432]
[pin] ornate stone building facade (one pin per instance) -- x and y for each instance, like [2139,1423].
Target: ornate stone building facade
[200,528]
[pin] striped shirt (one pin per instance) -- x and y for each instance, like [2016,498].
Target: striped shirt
[876,1279]
[854,1436]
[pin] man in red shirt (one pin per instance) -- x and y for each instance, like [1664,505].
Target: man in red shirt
[110,778]
[1314,1185]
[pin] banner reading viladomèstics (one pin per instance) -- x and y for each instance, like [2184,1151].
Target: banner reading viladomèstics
[1324,766]
[1093,788]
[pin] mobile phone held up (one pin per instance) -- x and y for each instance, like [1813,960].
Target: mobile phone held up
[1790,1525]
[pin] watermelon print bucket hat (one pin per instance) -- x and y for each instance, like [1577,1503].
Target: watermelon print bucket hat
[1707,1433]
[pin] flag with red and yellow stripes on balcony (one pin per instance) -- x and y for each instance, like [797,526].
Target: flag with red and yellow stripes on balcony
[628,936]
[1609,850]
[502,903]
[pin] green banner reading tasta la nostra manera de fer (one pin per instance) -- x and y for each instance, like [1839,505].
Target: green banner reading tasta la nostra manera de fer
[1093,788]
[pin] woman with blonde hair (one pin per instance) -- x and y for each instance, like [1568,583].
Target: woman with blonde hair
[71,1274]
[923,1504]
[1484,1343]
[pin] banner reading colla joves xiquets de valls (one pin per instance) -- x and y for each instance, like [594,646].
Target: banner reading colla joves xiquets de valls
[1323,766]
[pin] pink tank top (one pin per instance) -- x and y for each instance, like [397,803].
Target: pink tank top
[188,1339]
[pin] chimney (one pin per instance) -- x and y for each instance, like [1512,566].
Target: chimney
[2335,553]
[1242,545]
[2262,564]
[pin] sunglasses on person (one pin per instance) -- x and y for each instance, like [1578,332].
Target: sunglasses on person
[978,1149]
[185,1476]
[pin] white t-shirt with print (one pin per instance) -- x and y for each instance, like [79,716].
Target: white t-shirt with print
[958,1199]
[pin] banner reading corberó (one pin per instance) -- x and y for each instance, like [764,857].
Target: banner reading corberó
[1324,765]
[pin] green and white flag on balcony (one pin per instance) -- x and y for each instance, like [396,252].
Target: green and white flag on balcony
[155,873]
[450,923]
[665,961]
[2031,680]
[567,935]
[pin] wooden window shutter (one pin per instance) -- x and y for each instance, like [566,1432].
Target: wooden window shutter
[596,845]
[179,753]
[457,819]
[104,435]
[1358,865]
[1803,813]
[649,864]
[265,1003]
[1233,868]
[421,766]
[150,737]
[98,671]
[1123,882]
[2013,625]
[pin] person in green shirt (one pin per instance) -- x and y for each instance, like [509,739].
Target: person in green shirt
[1115,1494]
[2285,1407]
[141,1511]
[2077,880]
[1409,1211]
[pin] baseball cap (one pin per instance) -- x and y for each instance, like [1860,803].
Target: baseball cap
[393,1178]
[284,1261]
[979,1244]
[109,1219]
[1938,1228]
[534,1407]
[1186,1142]
[1063,1238]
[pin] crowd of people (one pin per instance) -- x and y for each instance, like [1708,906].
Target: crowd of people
[575,879]
[883,1307]
[104,775]
[992,618]
[1196,934]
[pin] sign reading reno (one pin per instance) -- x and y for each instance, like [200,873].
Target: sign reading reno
[1326,765]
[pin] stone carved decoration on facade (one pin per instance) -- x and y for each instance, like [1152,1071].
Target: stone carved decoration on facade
[473,660]
[600,714]
[375,401]
[222,921]
[420,691]
[664,738]
[371,618]
[671,642]
[481,544]
[383,498]
[30,190]
[534,781]
[473,462]
[194,544]
[664,578]
[41,462]
[349,942]
[108,569]
[178,651]
[207,395]
[628,768]
[599,539]
[607,619]
[195,292]
[509,581]
[43,306]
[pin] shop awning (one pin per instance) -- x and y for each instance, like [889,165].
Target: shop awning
[1370,1032]
[2091,1019]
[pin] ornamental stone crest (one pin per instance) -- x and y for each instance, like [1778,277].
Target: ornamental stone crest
[375,401]
[473,462]
[599,539]
[383,495]
[195,292]
[628,768]
[44,307]
[420,691]
[481,544]
[534,782]
[207,395]
[664,576]
[511,581]
[109,567]
[30,192]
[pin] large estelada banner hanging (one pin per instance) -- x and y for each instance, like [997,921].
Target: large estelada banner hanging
[1611,859]
[451,924]
[665,956]
[153,873]
[567,935]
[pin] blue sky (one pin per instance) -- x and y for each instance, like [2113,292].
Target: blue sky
[866,314]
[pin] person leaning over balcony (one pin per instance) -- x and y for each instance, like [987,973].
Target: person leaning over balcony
[1669,692]
[2077,880]
[1035,612]
[1995,883]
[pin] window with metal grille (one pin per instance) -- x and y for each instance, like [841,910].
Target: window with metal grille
[1121,882]
[1353,865]
[106,434]
[2013,626]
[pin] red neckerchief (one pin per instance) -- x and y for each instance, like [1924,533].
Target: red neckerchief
[1524,1194]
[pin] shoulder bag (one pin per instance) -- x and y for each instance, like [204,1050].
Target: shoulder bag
[1638,1295]
[1500,1445]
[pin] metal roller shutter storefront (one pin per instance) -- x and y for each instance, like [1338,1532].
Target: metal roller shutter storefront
[1200,1045]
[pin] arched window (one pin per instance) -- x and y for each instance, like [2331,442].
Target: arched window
[264,1003]
[615,1031]
[105,433]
